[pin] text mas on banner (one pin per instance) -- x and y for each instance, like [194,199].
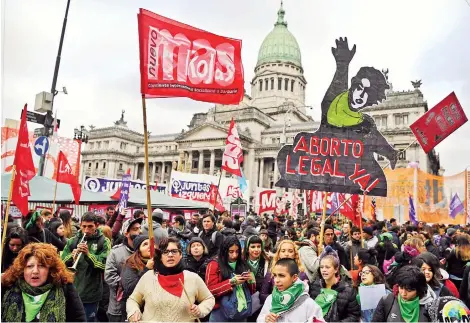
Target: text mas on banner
[339,156]
[178,60]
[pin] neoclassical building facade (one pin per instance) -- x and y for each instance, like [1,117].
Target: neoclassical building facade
[273,113]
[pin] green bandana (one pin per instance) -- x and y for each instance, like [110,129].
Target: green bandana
[340,115]
[283,301]
[409,309]
[253,265]
[241,304]
[33,220]
[23,302]
[325,299]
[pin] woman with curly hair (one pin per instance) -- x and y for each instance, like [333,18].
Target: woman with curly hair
[285,249]
[38,287]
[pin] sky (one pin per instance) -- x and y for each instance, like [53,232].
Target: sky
[419,39]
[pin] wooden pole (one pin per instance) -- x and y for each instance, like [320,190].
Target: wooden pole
[216,193]
[187,296]
[360,220]
[350,248]
[467,196]
[7,211]
[147,178]
[322,224]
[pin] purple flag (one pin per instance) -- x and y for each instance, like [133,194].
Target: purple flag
[334,202]
[126,185]
[412,212]
[456,206]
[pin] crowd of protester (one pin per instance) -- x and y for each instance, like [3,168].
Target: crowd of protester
[57,268]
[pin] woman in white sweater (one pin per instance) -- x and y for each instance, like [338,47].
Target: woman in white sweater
[161,294]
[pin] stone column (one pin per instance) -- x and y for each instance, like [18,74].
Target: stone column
[255,175]
[261,173]
[249,167]
[189,166]
[276,172]
[211,169]
[162,178]
[136,169]
[200,162]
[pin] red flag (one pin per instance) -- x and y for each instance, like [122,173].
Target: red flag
[216,199]
[352,209]
[439,122]
[25,170]
[178,60]
[65,175]
[233,154]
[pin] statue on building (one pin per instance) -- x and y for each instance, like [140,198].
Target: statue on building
[385,72]
[121,122]
[417,84]
[92,127]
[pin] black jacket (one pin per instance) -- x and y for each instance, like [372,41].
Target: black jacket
[346,308]
[212,247]
[46,236]
[228,232]
[388,310]
[197,266]
[129,279]
[464,287]
[430,247]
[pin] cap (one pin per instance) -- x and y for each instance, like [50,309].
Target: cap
[451,231]
[129,223]
[158,213]
[368,230]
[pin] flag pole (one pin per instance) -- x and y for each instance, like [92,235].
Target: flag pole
[217,193]
[322,224]
[7,210]
[147,177]
[360,219]
[55,186]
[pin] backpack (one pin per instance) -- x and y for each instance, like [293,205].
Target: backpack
[229,305]
[213,236]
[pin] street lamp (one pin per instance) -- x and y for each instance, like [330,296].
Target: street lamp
[80,135]
[291,108]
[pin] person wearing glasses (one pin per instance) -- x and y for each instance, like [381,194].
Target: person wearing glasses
[370,275]
[169,293]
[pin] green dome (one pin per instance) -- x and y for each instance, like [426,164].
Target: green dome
[280,44]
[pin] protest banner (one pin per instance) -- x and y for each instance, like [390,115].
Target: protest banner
[178,60]
[439,122]
[339,156]
[100,184]
[434,193]
[197,187]
[265,200]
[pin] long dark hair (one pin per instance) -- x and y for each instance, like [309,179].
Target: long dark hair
[432,261]
[367,256]
[225,269]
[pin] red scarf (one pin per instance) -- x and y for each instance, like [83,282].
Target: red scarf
[171,283]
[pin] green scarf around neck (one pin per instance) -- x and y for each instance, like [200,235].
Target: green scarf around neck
[241,304]
[325,299]
[283,301]
[340,115]
[19,304]
[254,264]
[409,310]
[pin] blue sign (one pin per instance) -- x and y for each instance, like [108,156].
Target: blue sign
[125,187]
[41,146]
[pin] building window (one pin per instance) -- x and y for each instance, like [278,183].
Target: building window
[195,164]
[397,120]
[120,166]
[106,144]
[402,155]
[260,85]
[286,85]
[98,144]
[292,86]
[272,84]
[96,166]
[279,84]
[273,140]
[207,164]
[123,145]
[266,84]
[384,121]
[166,168]
[89,165]
[405,119]
[104,165]
[91,145]
[377,121]
[138,149]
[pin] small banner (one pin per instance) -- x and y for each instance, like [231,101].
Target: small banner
[439,122]
[178,60]
[339,156]
[126,185]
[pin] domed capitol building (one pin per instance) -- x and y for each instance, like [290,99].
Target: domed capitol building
[272,115]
